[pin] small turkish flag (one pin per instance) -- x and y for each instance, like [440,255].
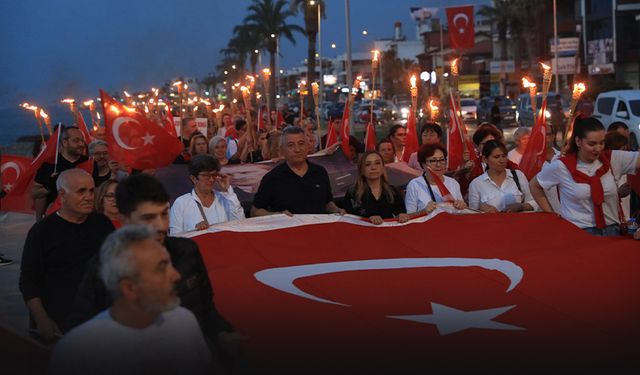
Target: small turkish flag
[370,138]
[461,31]
[411,144]
[83,127]
[12,169]
[535,154]
[457,135]
[134,140]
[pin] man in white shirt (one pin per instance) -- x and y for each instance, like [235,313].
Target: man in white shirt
[211,201]
[145,330]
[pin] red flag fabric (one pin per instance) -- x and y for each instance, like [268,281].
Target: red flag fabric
[169,124]
[461,30]
[345,131]
[411,144]
[261,119]
[12,169]
[388,303]
[332,136]
[444,191]
[134,140]
[455,146]
[20,191]
[83,127]
[370,138]
[280,120]
[535,153]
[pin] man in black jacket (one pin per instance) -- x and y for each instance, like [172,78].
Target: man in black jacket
[141,199]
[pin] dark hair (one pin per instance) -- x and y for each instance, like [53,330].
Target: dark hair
[139,188]
[240,123]
[618,125]
[353,141]
[101,191]
[581,127]
[65,131]
[492,145]
[393,129]
[385,140]
[290,130]
[203,163]
[485,130]
[426,151]
[615,141]
[431,126]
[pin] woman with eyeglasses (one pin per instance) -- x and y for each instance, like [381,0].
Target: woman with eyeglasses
[499,189]
[211,201]
[106,201]
[433,187]
[372,196]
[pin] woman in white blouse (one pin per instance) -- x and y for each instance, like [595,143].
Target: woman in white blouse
[211,201]
[586,179]
[499,189]
[433,187]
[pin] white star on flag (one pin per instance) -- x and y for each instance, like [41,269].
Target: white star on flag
[148,139]
[449,320]
[8,186]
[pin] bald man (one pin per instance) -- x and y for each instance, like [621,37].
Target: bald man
[56,252]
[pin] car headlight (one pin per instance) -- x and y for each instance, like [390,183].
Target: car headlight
[405,112]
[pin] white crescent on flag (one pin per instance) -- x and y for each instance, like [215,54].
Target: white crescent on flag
[283,278]
[116,131]
[10,165]
[463,16]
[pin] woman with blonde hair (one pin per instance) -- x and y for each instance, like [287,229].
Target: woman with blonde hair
[105,202]
[372,196]
[198,145]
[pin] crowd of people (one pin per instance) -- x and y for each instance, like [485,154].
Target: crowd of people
[81,278]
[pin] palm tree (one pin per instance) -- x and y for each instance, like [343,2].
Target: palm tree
[526,13]
[269,19]
[311,29]
[252,41]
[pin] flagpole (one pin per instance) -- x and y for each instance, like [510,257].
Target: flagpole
[55,165]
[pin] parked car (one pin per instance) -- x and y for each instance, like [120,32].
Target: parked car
[507,109]
[525,114]
[383,111]
[620,106]
[468,107]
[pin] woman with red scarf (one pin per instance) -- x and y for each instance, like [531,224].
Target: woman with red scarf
[433,187]
[586,179]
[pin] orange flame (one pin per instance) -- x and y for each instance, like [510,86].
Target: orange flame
[43,114]
[579,88]
[266,72]
[413,80]
[127,94]
[114,109]
[527,84]
[544,66]
[376,54]
[68,101]
[88,103]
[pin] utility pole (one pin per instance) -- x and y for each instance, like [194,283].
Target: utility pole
[348,60]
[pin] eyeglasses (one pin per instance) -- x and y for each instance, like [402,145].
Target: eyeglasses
[110,196]
[436,161]
[209,176]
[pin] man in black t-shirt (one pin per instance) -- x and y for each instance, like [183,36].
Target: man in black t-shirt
[296,186]
[70,155]
[56,252]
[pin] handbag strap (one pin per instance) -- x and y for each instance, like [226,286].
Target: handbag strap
[204,217]
[433,197]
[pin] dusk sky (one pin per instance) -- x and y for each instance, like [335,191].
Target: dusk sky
[56,48]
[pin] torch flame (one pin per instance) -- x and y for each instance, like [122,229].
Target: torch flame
[432,105]
[68,100]
[177,83]
[114,109]
[250,78]
[43,114]
[544,66]
[266,71]
[221,107]
[527,84]
[127,94]
[376,54]
[579,88]
[195,109]
[98,115]
[87,103]
[413,81]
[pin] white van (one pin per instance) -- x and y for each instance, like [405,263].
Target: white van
[620,106]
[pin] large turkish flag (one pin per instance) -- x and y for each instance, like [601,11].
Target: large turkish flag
[461,30]
[454,292]
[12,169]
